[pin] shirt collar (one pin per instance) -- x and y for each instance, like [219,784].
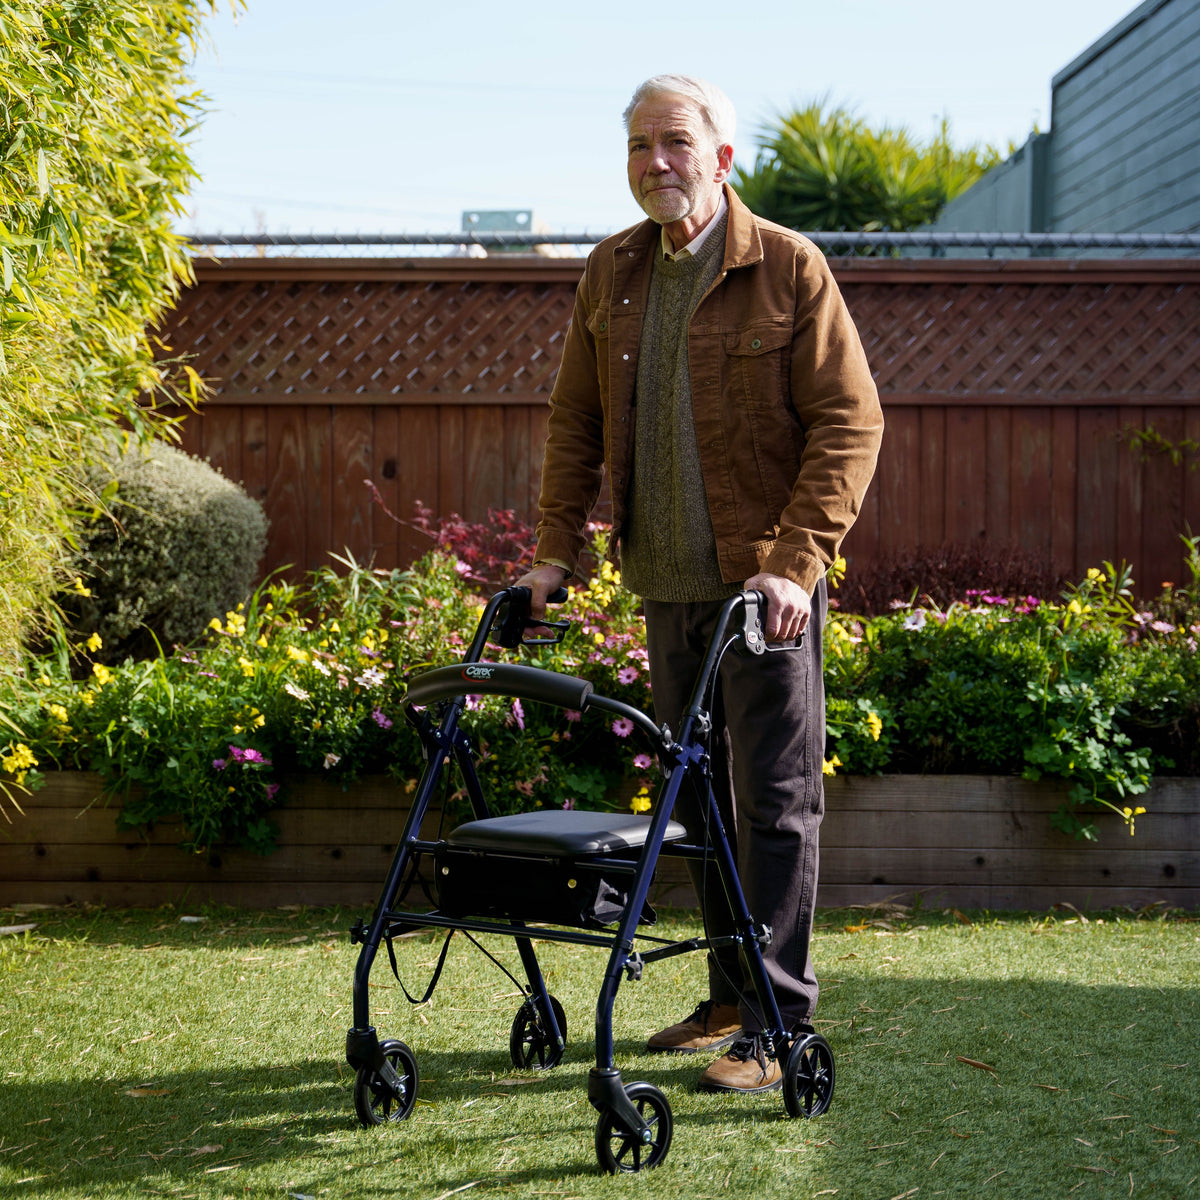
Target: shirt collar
[693,247]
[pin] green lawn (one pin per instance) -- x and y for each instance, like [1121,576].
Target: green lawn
[144,1055]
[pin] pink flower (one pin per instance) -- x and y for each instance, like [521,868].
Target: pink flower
[518,715]
[643,762]
[272,790]
[572,714]
[622,727]
[219,764]
[1162,626]
[627,674]
[524,787]
[569,803]
[381,719]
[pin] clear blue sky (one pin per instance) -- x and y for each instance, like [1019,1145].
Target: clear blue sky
[395,115]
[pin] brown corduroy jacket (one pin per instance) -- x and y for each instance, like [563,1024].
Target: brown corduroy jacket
[787,418]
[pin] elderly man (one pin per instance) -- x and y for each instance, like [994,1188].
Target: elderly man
[712,366]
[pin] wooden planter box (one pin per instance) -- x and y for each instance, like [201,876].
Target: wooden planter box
[956,840]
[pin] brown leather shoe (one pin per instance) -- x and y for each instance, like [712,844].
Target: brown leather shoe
[710,1027]
[746,1068]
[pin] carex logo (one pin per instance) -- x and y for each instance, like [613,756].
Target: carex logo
[477,672]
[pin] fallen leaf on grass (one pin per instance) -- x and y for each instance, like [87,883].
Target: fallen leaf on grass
[973,1062]
[513,1082]
[854,928]
[148,1092]
[205,1150]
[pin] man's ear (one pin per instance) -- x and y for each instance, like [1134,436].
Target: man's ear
[724,163]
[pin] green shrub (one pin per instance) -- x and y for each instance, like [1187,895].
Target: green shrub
[179,545]
[94,110]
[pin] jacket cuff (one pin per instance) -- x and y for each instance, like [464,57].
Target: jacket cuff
[799,568]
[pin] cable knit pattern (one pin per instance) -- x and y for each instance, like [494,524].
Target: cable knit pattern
[669,551]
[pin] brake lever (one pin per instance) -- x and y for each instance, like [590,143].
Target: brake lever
[754,639]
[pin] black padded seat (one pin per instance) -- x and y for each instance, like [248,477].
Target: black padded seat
[559,833]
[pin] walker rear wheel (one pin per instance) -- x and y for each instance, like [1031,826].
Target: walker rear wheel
[808,1076]
[619,1150]
[375,1100]
[529,1044]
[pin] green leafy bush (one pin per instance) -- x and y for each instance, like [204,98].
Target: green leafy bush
[178,545]
[95,109]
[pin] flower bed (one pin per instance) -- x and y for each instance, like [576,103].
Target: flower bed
[1086,690]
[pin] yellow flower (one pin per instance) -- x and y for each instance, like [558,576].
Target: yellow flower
[246,665]
[215,623]
[598,638]
[79,588]
[1096,576]
[19,760]
[297,655]
[94,643]
[235,625]
[102,673]
[87,699]
[1129,813]
[262,640]
[875,725]
[829,765]
[1074,607]
[58,713]
[641,801]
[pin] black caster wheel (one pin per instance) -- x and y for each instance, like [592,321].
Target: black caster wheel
[619,1150]
[530,1044]
[808,1077]
[375,1101]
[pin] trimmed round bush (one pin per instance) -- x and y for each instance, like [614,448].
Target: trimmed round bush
[179,545]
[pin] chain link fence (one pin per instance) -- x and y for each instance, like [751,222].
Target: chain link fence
[916,244]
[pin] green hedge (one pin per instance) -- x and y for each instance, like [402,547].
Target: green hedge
[95,108]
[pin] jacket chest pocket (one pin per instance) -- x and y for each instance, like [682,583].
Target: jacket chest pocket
[759,358]
[597,324]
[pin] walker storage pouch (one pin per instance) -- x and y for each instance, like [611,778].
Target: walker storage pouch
[561,868]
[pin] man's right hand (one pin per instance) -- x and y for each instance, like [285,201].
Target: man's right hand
[541,580]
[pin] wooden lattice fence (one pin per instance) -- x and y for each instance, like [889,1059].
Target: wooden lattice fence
[1011,389]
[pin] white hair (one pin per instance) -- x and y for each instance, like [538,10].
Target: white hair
[715,107]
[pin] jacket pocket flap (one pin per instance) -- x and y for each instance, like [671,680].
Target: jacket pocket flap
[597,322]
[759,338]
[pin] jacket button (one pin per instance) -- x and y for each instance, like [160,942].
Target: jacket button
[625,357]
[625,301]
[754,345]
[603,326]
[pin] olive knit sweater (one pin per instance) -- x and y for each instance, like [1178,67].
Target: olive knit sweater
[669,551]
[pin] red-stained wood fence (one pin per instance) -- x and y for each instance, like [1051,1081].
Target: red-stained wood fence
[1011,389]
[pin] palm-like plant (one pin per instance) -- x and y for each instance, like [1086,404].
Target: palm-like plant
[823,168]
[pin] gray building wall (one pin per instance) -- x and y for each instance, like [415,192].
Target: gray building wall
[1123,151]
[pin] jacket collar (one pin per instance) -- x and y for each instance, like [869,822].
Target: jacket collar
[743,246]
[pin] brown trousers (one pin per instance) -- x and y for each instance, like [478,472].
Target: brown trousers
[767,747]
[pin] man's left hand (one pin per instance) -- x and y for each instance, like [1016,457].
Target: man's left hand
[788,606]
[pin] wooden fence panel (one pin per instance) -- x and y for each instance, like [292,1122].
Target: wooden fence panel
[1010,391]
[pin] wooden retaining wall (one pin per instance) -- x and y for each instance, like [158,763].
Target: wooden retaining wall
[1012,392]
[962,841]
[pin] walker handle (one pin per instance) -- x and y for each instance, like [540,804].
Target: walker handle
[514,619]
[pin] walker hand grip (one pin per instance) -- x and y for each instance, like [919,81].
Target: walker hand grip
[754,640]
[514,619]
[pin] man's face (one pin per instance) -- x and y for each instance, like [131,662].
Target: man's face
[675,166]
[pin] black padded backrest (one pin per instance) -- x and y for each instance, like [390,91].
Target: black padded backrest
[498,679]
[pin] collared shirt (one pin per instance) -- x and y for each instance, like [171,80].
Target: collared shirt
[694,245]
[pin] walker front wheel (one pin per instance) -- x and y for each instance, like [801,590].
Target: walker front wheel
[529,1043]
[808,1076]
[375,1100]
[620,1150]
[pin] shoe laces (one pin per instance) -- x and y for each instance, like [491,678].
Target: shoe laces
[701,1013]
[752,1046]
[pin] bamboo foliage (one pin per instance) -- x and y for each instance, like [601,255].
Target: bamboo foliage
[95,107]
